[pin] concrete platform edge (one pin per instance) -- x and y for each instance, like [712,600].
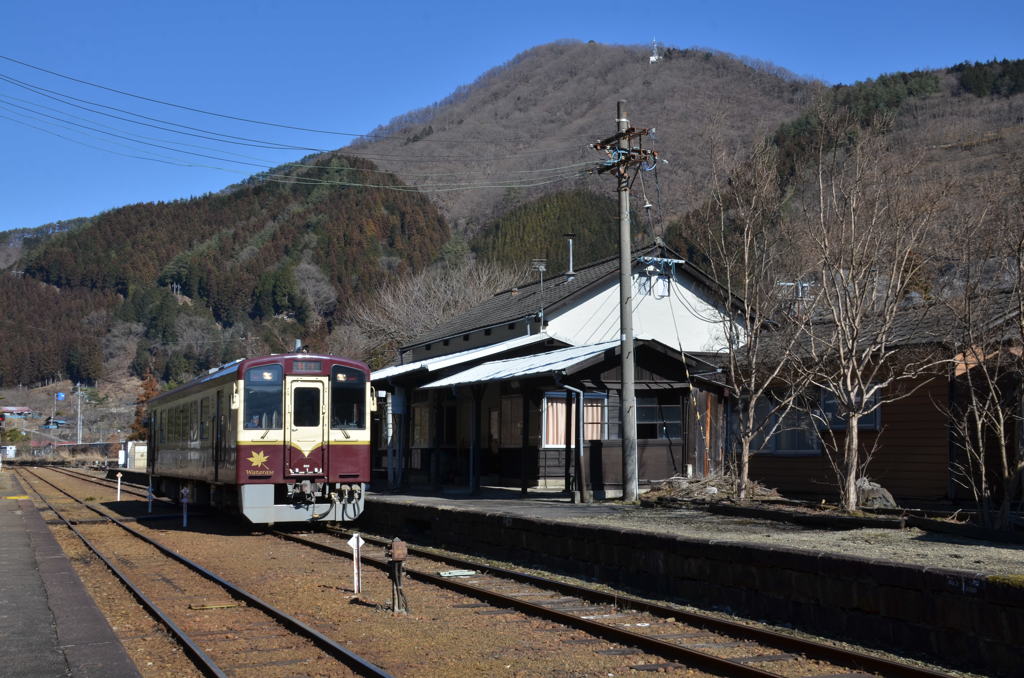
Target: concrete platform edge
[90,646]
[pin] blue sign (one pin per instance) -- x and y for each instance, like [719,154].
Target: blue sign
[60,396]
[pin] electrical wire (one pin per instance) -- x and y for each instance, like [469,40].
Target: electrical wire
[490,183]
[227,138]
[262,163]
[526,182]
[356,135]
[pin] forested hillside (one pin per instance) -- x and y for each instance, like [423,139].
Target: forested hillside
[261,264]
[536,230]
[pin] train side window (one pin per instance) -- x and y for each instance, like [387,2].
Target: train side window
[348,397]
[204,419]
[193,421]
[306,406]
[264,394]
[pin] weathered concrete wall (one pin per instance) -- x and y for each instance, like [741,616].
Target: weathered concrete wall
[955,617]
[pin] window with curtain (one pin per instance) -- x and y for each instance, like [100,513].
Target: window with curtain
[594,418]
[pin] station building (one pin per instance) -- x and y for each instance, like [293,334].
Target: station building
[493,396]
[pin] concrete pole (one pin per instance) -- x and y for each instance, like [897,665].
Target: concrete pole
[630,486]
[78,393]
[389,436]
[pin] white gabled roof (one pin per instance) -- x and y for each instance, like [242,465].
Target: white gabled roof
[443,361]
[512,368]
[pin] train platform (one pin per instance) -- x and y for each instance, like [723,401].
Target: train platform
[49,624]
[900,590]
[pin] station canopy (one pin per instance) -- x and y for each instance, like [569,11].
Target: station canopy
[560,361]
[453,359]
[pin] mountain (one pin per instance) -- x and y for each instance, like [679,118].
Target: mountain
[177,287]
[542,109]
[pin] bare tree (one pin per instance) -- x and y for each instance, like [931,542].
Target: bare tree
[316,290]
[405,308]
[867,227]
[350,341]
[986,308]
[744,236]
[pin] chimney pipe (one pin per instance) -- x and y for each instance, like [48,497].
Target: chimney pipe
[570,274]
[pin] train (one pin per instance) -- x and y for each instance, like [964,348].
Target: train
[277,438]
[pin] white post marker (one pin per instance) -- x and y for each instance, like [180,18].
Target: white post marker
[356,542]
[184,506]
[119,474]
[149,499]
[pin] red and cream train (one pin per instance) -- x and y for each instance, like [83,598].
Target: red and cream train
[279,438]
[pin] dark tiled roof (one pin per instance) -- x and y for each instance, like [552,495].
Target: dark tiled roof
[507,307]
[935,322]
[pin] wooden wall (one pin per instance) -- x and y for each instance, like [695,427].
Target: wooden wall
[912,459]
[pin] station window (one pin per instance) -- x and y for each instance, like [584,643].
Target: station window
[594,419]
[264,393]
[794,435]
[832,416]
[348,397]
[657,417]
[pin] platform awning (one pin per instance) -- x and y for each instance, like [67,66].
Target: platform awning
[453,359]
[559,361]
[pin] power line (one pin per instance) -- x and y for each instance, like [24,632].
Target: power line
[356,135]
[552,174]
[220,137]
[263,163]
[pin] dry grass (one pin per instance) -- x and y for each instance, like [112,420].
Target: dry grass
[715,488]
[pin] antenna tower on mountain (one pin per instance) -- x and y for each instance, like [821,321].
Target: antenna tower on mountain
[655,57]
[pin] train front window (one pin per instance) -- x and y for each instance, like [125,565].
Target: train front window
[264,393]
[306,405]
[348,397]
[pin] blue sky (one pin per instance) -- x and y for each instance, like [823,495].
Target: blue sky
[345,66]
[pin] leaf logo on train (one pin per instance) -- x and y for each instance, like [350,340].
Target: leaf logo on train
[259,465]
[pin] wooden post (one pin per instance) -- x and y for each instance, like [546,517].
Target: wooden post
[525,442]
[476,391]
[572,486]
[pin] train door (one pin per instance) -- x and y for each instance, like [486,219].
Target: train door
[306,432]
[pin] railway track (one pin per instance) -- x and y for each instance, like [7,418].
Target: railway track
[683,638]
[646,636]
[134,489]
[220,626]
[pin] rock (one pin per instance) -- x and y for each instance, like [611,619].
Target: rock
[872,495]
[712,490]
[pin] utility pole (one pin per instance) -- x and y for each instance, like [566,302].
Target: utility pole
[622,156]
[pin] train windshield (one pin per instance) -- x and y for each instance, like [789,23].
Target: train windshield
[264,394]
[348,397]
